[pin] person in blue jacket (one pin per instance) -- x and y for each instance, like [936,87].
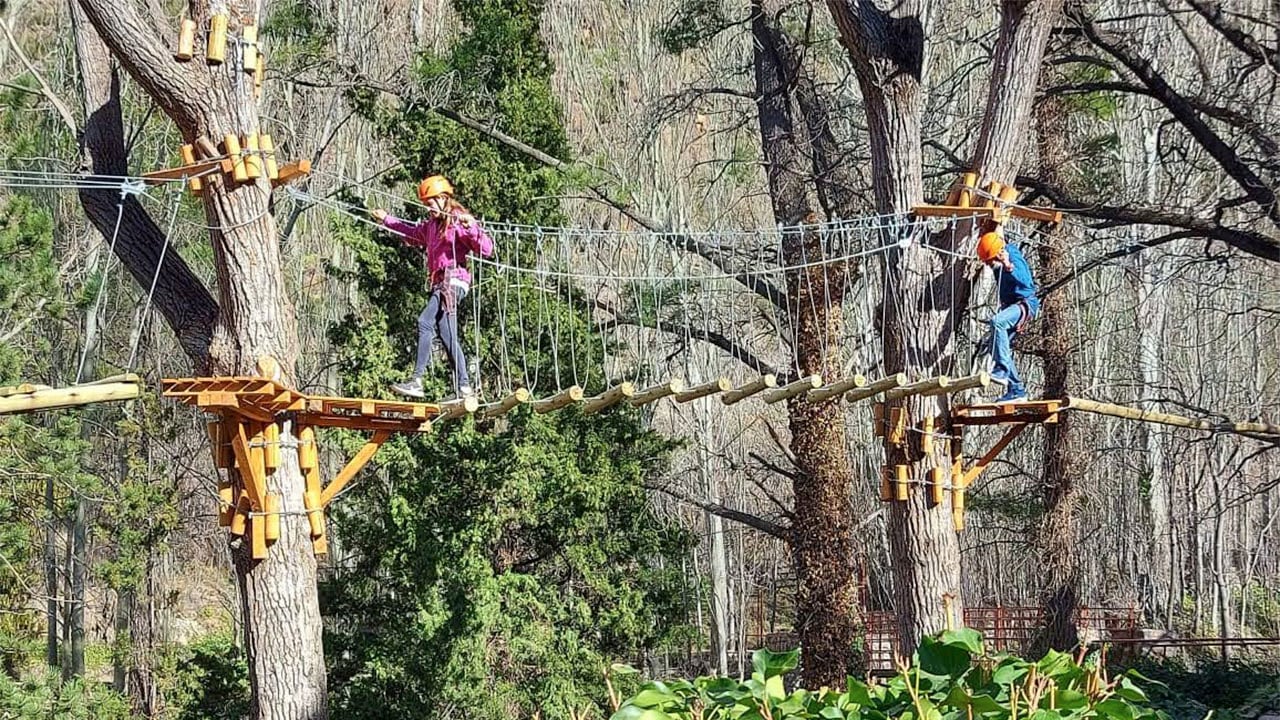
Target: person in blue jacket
[1018,306]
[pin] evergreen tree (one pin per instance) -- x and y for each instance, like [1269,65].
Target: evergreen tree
[495,571]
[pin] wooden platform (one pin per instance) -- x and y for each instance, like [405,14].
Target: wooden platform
[261,400]
[1021,411]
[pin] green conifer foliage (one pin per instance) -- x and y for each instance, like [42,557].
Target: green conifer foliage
[495,571]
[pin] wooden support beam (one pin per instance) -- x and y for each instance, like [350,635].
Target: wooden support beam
[792,389]
[1046,215]
[562,399]
[703,390]
[458,408]
[936,486]
[989,213]
[226,503]
[1132,413]
[836,389]
[345,476]
[74,396]
[608,398]
[292,172]
[897,429]
[928,386]
[742,392]
[972,473]
[255,482]
[506,405]
[656,392]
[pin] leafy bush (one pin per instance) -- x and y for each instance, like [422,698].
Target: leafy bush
[210,681]
[951,677]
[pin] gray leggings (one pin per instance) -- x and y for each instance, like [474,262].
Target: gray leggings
[436,319]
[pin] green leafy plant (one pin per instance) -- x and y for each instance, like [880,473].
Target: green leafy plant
[951,677]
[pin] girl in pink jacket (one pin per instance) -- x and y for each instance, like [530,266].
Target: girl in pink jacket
[446,238]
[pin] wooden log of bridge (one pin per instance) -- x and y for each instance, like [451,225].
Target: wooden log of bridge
[608,398]
[657,392]
[835,389]
[458,407]
[114,389]
[708,388]
[792,389]
[742,392]
[518,397]
[564,398]
[1132,413]
[955,385]
[875,388]
[928,386]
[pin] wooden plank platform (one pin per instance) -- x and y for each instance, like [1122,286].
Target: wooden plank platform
[261,399]
[1021,411]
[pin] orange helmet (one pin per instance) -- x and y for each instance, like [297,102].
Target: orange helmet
[989,246]
[434,186]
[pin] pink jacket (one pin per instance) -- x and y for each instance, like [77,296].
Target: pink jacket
[444,250]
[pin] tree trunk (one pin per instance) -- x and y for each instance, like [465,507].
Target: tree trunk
[50,576]
[79,556]
[1058,541]
[254,319]
[828,618]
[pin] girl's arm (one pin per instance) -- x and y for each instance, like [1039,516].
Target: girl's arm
[410,232]
[477,239]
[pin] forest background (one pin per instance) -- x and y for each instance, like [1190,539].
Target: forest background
[114,567]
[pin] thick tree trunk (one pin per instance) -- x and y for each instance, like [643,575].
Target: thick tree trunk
[888,54]
[1058,541]
[828,618]
[255,319]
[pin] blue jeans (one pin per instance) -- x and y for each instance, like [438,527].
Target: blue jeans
[1004,328]
[440,319]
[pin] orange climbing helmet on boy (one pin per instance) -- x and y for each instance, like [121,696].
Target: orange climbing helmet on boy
[434,186]
[989,246]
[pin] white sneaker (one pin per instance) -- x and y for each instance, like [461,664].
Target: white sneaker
[412,388]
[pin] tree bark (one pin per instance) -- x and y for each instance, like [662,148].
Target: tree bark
[828,615]
[254,319]
[1058,541]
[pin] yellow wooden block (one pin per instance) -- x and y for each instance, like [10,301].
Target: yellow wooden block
[240,520]
[258,537]
[186,40]
[935,486]
[232,145]
[216,51]
[271,447]
[904,475]
[252,157]
[272,518]
[226,503]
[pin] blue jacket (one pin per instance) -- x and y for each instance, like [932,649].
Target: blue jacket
[1018,284]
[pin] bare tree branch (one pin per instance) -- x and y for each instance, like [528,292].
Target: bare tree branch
[767,527]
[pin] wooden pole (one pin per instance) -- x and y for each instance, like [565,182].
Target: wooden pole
[506,405]
[967,182]
[608,398]
[271,447]
[564,398]
[790,390]
[928,386]
[458,408]
[657,392]
[703,390]
[308,457]
[972,473]
[356,463]
[73,396]
[836,389]
[955,385]
[742,392]
[1132,413]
